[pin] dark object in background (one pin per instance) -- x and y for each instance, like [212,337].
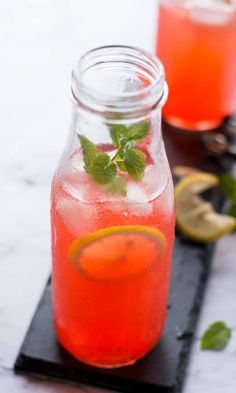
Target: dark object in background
[219,143]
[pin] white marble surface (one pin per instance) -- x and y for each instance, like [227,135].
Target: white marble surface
[40,40]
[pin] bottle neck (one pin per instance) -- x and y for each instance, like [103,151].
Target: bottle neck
[115,145]
[119,82]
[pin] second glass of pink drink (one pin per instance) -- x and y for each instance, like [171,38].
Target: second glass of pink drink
[196,43]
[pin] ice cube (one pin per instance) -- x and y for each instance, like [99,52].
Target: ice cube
[136,193]
[77,162]
[141,209]
[210,12]
[77,216]
[127,208]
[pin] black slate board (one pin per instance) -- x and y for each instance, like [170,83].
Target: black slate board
[164,368]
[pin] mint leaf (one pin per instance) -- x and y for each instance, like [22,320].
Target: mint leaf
[216,336]
[117,133]
[89,151]
[103,170]
[228,186]
[118,159]
[135,163]
[120,134]
[138,131]
[232,210]
[121,165]
[117,186]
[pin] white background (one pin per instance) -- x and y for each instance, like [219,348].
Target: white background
[40,41]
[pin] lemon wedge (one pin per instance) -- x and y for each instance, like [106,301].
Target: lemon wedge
[181,171]
[196,217]
[118,252]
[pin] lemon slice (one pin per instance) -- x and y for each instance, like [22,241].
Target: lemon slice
[118,252]
[181,171]
[196,217]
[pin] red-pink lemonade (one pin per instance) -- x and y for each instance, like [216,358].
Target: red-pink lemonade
[110,317]
[196,43]
[113,215]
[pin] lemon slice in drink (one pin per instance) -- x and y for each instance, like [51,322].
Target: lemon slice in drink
[118,252]
[196,217]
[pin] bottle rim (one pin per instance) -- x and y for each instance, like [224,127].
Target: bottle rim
[128,103]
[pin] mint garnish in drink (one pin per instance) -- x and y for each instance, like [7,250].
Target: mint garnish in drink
[127,158]
[89,152]
[103,170]
[216,336]
[135,163]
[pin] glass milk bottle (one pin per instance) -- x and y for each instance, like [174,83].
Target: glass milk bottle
[113,211]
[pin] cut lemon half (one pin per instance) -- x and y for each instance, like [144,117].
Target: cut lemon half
[196,217]
[118,252]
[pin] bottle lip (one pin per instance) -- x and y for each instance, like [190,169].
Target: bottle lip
[109,103]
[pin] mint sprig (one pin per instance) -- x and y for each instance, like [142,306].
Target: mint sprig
[138,131]
[104,169]
[232,210]
[89,152]
[128,158]
[121,134]
[117,133]
[216,336]
[135,163]
[228,186]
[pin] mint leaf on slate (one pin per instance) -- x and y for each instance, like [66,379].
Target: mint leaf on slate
[135,163]
[232,210]
[228,186]
[216,337]
[117,186]
[138,131]
[89,152]
[103,171]
[117,133]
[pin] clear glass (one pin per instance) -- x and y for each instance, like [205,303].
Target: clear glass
[112,247]
[196,42]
